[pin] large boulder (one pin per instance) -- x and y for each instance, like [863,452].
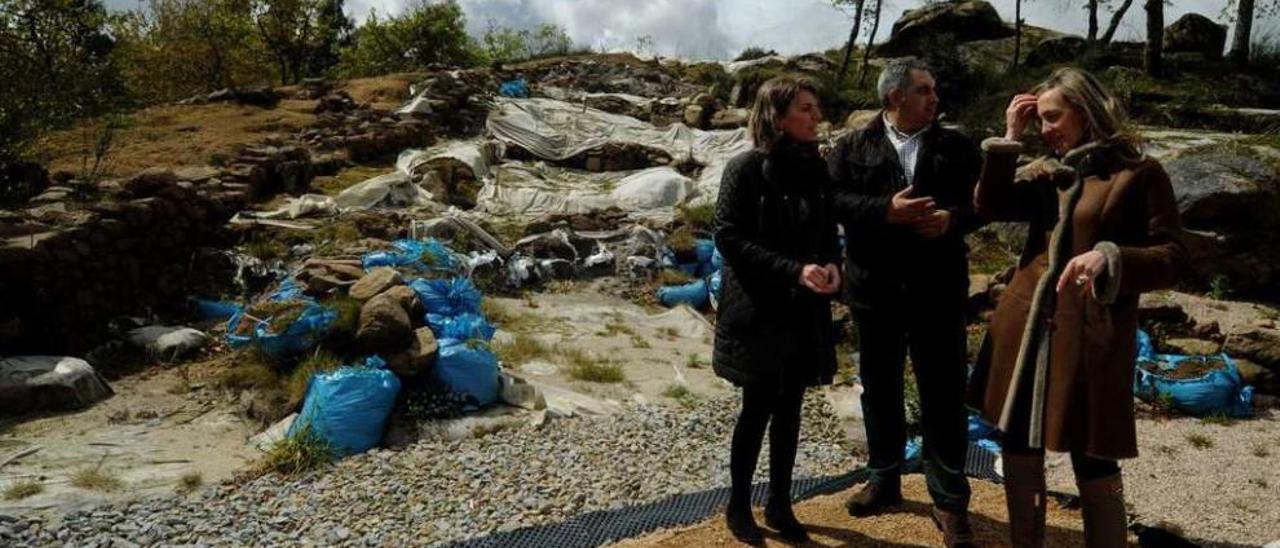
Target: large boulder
[49,383]
[1227,196]
[1058,49]
[962,21]
[376,281]
[385,326]
[418,359]
[1195,33]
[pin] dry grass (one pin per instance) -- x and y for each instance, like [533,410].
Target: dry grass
[319,362]
[383,92]
[178,135]
[96,479]
[671,276]
[302,452]
[22,489]
[694,361]
[522,349]
[587,367]
[189,482]
[1199,441]
[683,396]
[250,369]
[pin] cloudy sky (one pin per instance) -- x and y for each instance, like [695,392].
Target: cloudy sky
[719,29]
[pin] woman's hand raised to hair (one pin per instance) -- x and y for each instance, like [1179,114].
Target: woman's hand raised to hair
[1018,115]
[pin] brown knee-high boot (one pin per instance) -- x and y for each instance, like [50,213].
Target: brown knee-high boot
[1024,493]
[1102,506]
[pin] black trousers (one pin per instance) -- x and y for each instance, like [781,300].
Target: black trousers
[933,334]
[777,407]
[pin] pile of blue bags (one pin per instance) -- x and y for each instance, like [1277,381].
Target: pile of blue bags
[300,336]
[1221,391]
[706,268]
[465,364]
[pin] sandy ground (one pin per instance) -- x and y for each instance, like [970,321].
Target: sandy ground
[1217,484]
[830,525]
[147,436]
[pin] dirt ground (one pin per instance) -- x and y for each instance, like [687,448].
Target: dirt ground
[830,525]
[160,426]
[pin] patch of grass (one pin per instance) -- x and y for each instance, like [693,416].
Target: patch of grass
[348,320]
[318,362]
[22,489]
[1219,419]
[615,327]
[586,367]
[522,349]
[95,479]
[694,361]
[699,217]
[265,248]
[1259,482]
[1260,450]
[682,241]
[297,454]
[681,393]
[189,482]
[529,301]
[1199,441]
[668,333]
[1167,450]
[989,254]
[252,369]
[671,276]
[1219,288]
[639,342]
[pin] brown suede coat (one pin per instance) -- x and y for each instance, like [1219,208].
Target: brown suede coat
[1123,208]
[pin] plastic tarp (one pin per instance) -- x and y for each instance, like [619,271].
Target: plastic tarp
[469,154]
[167,341]
[557,130]
[395,189]
[652,188]
[348,407]
[34,383]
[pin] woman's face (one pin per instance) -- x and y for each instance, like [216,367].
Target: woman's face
[802,118]
[1061,123]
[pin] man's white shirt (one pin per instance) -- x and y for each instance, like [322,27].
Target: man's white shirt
[907,146]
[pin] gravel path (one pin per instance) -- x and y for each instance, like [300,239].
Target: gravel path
[1218,484]
[440,491]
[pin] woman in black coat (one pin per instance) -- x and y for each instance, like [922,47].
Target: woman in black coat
[774,336]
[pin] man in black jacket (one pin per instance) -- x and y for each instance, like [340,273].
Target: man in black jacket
[903,189]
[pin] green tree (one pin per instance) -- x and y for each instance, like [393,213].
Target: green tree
[853,32]
[426,33]
[55,66]
[177,48]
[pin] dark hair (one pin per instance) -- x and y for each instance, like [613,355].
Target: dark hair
[772,102]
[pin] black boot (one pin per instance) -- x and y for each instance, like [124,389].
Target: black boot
[742,524]
[778,515]
[875,497]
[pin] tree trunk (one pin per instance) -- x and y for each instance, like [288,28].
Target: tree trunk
[1244,28]
[1093,21]
[871,40]
[1155,37]
[1017,35]
[853,38]
[1115,21]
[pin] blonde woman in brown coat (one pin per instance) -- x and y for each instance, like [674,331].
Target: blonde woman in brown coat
[1056,371]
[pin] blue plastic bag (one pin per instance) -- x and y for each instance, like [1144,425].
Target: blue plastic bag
[462,327]
[447,297]
[1145,349]
[693,294]
[428,254]
[348,407]
[713,288]
[289,290]
[1220,392]
[215,310]
[469,369]
[301,335]
[980,429]
[706,251]
[717,261]
[516,87]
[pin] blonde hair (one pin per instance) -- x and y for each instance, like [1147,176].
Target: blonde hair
[772,102]
[1105,118]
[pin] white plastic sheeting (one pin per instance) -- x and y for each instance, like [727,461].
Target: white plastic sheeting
[31,383]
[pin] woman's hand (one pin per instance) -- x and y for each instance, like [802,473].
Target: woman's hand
[1082,270]
[823,280]
[1018,115]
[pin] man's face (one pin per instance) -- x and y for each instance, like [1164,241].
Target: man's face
[918,104]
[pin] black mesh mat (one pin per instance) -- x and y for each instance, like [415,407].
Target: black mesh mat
[605,526]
